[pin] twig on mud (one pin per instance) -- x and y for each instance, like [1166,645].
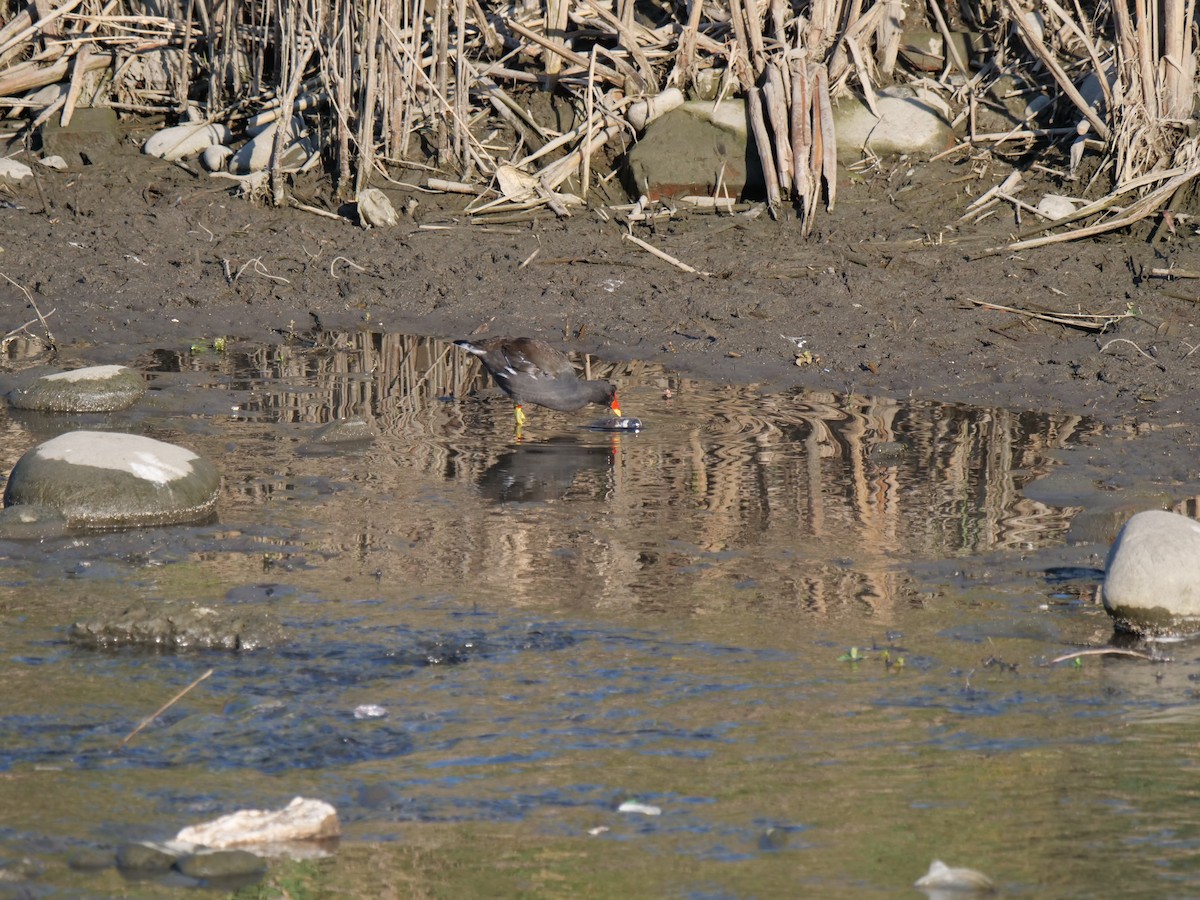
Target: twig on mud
[665,256]
[1108,651]
[1125,341]
[1086,321]
[162,709]
[333,262]
[259,269]
[1175,273]
[292,201]
[49,340]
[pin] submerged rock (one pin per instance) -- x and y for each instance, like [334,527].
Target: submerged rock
[144,859]
[92,389]
[100,479]
[221,865]
[1152,575]
[345,431]
[31,522]
[300,820]
[177,626]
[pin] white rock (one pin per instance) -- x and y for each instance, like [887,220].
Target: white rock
[635,806]
[181,141]
[143,457]
[11,170]
[90,389]
[906,124]
[942,877]
[54,162]
[255,154]
[300,820]
[102,479]
[1055,206]
[374,208]
[215,157]
[1152,575]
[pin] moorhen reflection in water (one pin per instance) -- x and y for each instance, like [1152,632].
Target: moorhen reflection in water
[531,371]
[542,471]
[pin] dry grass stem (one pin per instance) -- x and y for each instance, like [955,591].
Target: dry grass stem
[162,709]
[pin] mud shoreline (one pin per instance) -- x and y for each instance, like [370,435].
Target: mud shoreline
[889,295]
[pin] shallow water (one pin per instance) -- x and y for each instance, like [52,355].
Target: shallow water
[808,627]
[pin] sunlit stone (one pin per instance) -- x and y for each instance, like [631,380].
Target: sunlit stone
[1152,576]
[300,820]
[105,479]
[942,878]
[92,389]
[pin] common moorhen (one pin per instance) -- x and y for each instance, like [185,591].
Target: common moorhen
[531,371]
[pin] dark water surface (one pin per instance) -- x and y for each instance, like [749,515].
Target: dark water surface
[808,627]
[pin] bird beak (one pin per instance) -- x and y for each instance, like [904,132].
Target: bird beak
[615,406]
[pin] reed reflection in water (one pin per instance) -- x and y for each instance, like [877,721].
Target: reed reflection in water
[730,495]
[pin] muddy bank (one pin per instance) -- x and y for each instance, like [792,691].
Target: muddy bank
[885,294]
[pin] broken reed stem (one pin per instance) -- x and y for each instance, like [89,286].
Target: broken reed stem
[40,318]
[666,257]
[162,709]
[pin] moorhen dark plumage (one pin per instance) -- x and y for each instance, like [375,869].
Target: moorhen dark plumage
[531,371]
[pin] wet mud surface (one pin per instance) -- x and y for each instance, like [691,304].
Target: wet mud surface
[885,294]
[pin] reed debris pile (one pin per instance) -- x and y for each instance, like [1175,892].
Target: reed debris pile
[371,88]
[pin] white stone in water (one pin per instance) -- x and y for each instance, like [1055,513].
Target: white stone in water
[89,373]
[1152,575]
[636,806]
[942,877]
[90,389]
[300,820]
[181,141]
[144,457]
[106,479]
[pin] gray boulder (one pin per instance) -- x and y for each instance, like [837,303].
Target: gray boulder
[1152,576]
[99,479]
[93,389]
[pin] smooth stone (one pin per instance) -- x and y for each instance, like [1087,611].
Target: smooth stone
[698,147]
[91,389]
[255,154]
[692,150]
[31,522]
[181,141]
[91,859]
[144,859]
[101,479]
[907,123]
[214,158]
[300,820]
[375,209]
[942,878]
[221,865]
[1152,575]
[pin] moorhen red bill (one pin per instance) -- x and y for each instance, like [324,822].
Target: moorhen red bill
[531,371]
